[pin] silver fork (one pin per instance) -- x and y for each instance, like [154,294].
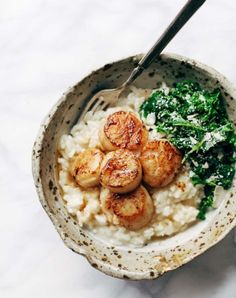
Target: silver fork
[104,98]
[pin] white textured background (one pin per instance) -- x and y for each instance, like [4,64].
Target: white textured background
[47,46]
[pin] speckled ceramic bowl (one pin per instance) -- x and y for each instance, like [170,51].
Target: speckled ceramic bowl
[156,258]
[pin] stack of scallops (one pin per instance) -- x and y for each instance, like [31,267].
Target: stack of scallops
[124,160]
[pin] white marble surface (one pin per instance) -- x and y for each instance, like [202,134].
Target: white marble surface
[47,46]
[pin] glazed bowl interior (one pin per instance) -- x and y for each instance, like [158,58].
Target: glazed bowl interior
[159,256]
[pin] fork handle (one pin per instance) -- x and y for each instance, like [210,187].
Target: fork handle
[179,21]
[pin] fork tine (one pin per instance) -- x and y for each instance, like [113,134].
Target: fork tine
[97,104]
[106,106]
[101,101]
[92,103]
[100,106]
[89,106]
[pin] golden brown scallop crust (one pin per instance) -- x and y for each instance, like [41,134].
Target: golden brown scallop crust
[160,161]
[121,171]
[133,210]
[123,130]
[85,167]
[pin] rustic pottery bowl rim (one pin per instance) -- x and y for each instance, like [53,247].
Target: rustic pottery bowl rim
[106,268]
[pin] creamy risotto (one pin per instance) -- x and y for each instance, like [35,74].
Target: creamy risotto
[175,204]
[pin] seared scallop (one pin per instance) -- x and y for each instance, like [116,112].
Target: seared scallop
[121,171]
[123,130]
[85,167]
[160,161]
[133,210]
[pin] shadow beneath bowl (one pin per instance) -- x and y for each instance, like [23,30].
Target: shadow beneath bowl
[203,277]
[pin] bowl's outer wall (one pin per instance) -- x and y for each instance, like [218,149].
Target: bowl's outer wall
[146,263]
